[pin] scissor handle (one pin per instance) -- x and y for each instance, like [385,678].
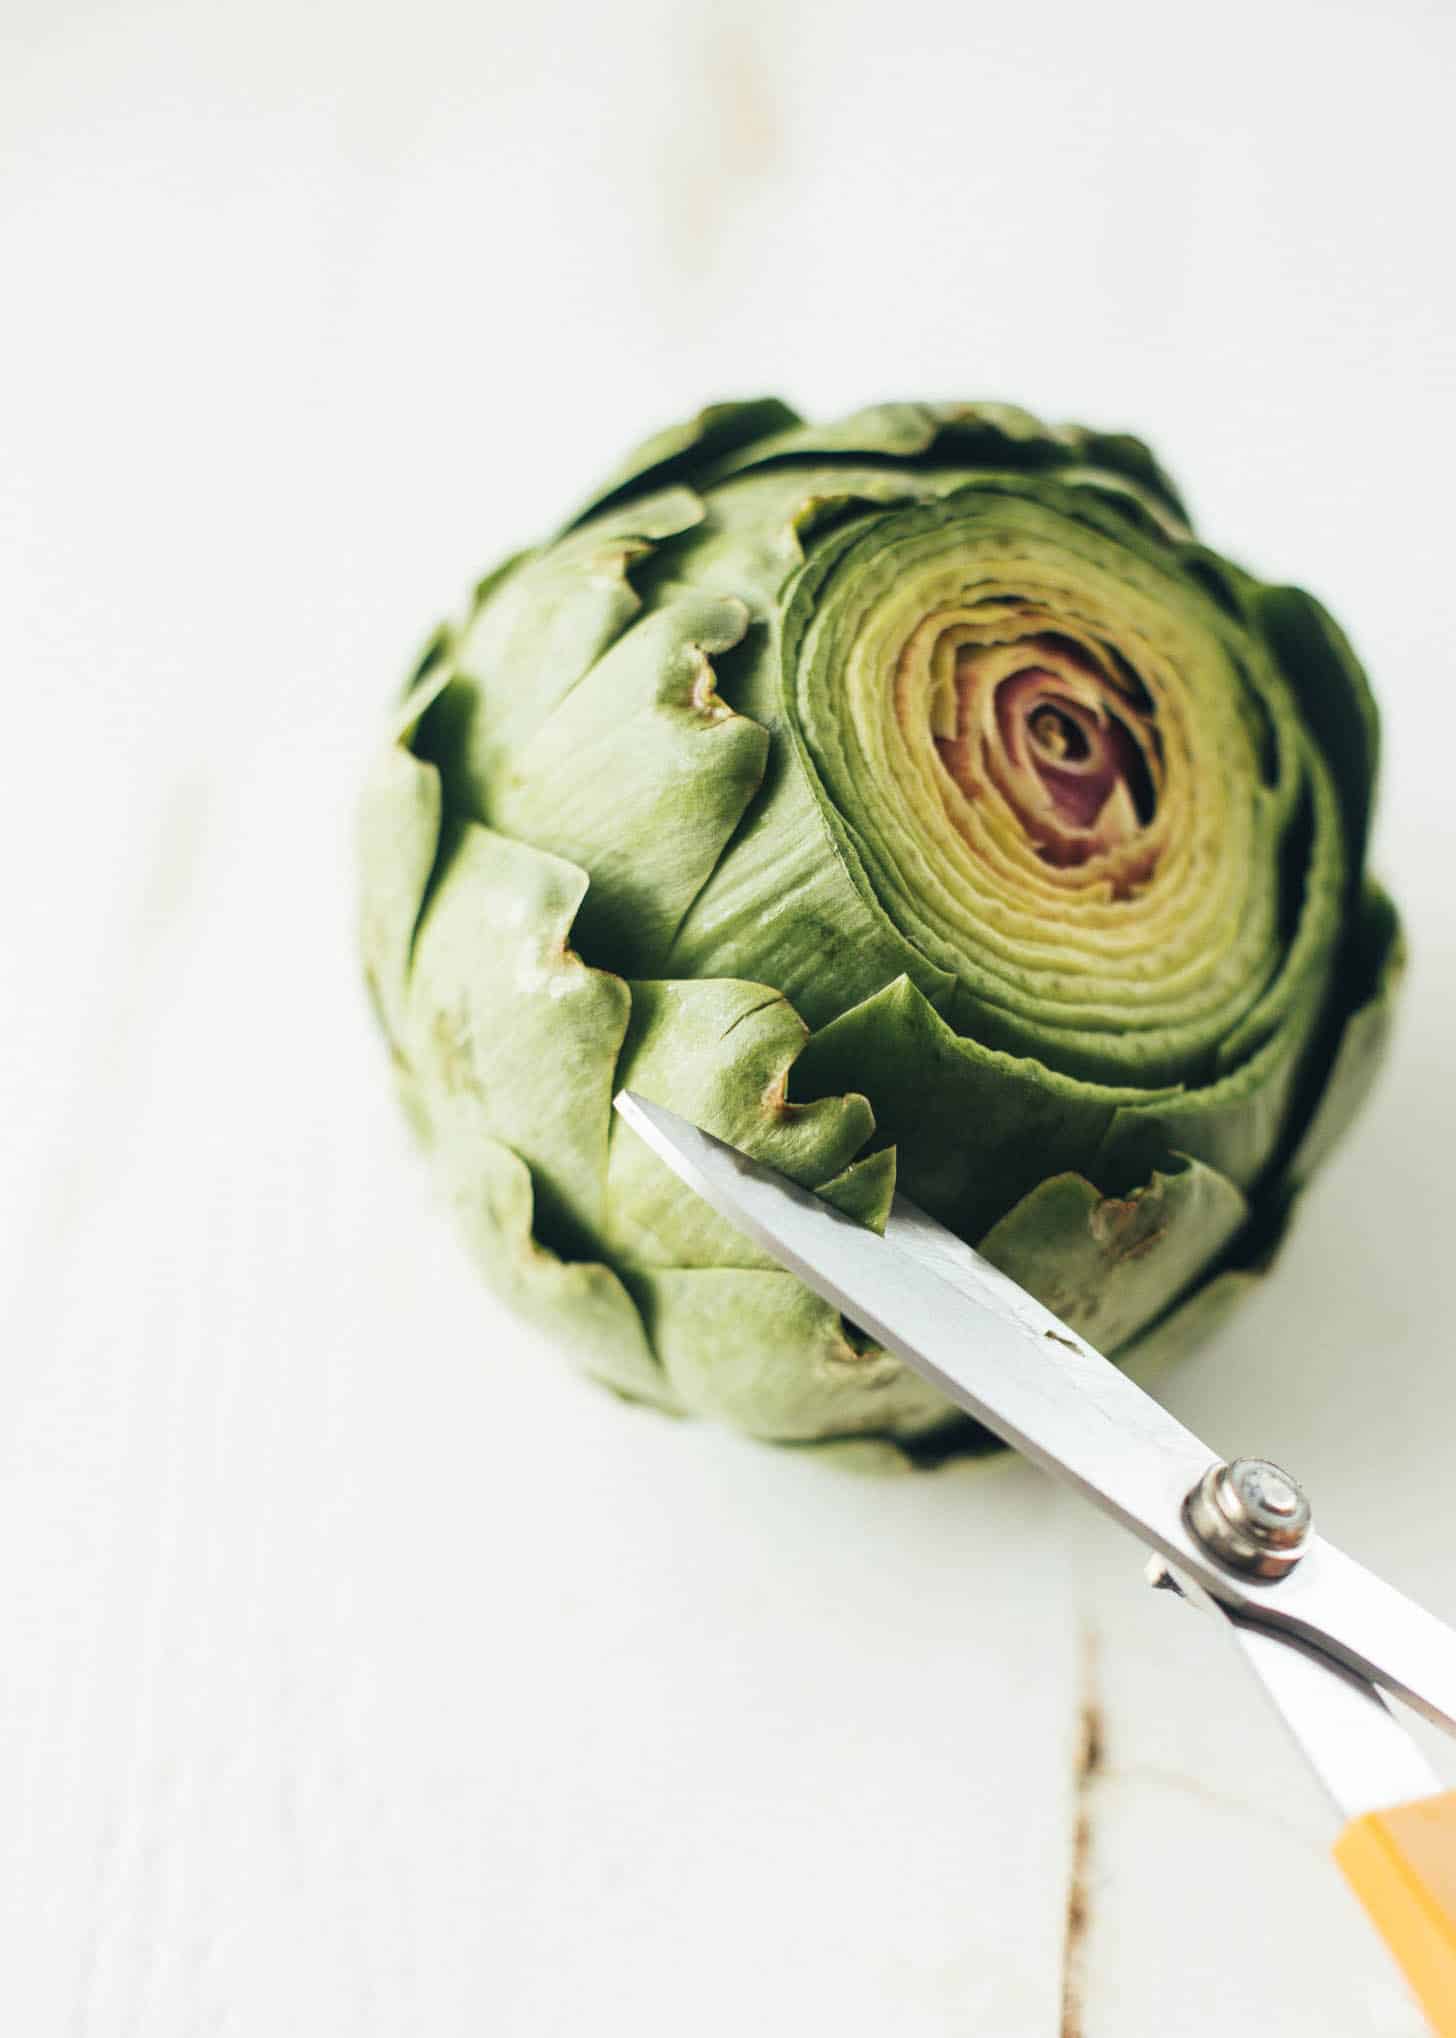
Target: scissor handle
[1401,1864]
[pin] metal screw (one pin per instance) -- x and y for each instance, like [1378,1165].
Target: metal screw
[1251,1516]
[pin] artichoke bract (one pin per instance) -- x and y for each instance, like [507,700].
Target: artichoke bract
[912,801]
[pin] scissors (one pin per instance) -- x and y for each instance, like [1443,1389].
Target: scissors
[1325,1638]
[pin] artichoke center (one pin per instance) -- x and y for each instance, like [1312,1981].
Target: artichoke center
[1056,732]
[1064,740]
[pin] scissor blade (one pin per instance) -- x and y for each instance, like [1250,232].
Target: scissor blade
[1340,1721]
[1347,1733]
[976,1335]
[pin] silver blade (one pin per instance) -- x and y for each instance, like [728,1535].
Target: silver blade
[1356,1746]
[993,1350]
[1359,1751]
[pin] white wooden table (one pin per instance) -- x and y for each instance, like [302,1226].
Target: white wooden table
[364,1672]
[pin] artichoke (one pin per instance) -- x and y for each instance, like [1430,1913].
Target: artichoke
[910,800]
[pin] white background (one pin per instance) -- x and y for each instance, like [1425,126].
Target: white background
[364,1672]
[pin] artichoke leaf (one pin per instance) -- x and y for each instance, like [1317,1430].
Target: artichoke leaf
[681,450]
[399,821]
[641,776]
[579,1304]
[532,633]
[1236,1125]
[1000,1124]
[866,1188]
[1334,695]
[1377,966]
[443,1028]
[719,1052]
[971,436]
[1111,1265]
[784,903]
[1201,1314]
[757,1349]
[399,835]
[493,980]
[1239,1123]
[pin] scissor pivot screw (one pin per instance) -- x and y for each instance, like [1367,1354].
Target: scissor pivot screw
[1251,1516]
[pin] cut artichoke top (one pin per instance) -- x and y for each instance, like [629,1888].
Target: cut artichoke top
[1067,779]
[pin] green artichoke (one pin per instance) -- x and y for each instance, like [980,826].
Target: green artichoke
[910,800]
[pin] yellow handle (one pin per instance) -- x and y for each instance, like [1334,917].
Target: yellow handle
[1402,1866]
